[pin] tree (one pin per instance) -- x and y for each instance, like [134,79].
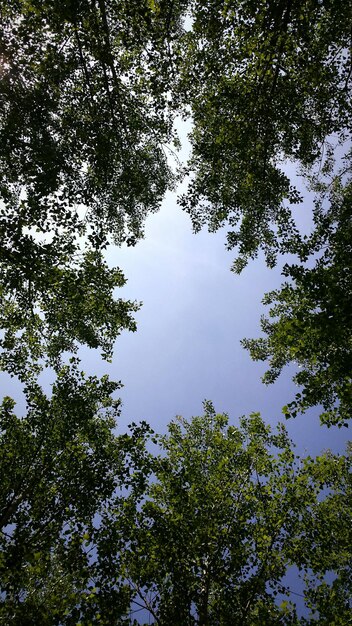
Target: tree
[60,464]
[57,463]
[48,309]
[229,512]
[84,126]
[269,83]
[310,319]
[85,112]
[265,83]
[86,119]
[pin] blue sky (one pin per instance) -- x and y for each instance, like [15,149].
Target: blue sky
[187,347]
[195,312]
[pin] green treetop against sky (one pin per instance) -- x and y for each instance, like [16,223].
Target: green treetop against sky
[211,524]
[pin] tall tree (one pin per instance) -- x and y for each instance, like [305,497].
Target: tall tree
[85,112]
[86,117]
[265,82]
[310,319]
[229,512]
[60,463]
[270,83]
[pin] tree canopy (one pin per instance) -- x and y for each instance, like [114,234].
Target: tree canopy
[265,82]
[89,94]
[203,532]
[90,90]
[60,462]
[310,321]
[202,526]
[85,124]
[85,112]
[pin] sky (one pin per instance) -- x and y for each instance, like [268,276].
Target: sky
[187,346]
[195,312]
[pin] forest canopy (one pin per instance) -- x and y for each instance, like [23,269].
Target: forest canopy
[205,530]
[203,527]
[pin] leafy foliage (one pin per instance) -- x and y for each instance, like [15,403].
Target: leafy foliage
[54,309]
[94,527]
[59,465]
[229,512]
[264,82]
[310,319]
[84,125]
[85,111]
